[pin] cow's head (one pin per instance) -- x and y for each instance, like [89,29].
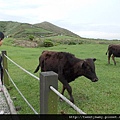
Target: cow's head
[88,67]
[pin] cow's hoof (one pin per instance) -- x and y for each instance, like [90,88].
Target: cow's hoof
[61,100]
[72,100]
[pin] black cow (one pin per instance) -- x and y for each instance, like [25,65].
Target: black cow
[68,68]
[113,50]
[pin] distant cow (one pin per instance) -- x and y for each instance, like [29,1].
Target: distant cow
[113,50]
[68,68]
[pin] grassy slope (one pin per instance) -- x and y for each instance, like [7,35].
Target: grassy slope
[55,29]
[93,98]
[24,30]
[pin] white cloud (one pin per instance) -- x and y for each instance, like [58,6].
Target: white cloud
[96,34]
[97,17]
[42,10]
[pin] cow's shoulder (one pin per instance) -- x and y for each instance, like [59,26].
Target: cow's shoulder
[66,55]
[70,59]
[48,54]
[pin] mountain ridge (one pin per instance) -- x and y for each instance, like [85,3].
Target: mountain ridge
[54,28]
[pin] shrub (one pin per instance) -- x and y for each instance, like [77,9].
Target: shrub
[80,42]
[48,43]
[31,37]
[71,43]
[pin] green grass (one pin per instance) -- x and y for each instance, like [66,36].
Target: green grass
[101,97]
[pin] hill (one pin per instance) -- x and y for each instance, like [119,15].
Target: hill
[19,30]
[23,30]
[55,29]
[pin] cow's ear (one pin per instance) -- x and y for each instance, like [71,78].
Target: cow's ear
[94,59]
[84,65]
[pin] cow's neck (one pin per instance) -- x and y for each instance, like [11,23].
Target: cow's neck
[78,71]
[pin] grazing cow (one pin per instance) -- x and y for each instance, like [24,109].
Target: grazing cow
[68,68]
[113,50]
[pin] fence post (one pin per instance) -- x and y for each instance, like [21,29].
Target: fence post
[48,99]
[5,66]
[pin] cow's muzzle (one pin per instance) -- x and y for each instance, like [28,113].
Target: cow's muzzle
[95,80]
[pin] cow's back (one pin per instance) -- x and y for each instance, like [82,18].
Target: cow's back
[52,61]
[115,50]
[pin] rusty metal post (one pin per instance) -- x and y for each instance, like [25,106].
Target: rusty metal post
[5,66]
[48,99]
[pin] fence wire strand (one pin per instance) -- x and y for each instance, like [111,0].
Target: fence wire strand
[20,93]
[22,68]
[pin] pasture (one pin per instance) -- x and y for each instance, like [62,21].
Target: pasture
[101,97]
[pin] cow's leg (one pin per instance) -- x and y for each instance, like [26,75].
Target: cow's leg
[69,89]
[109,59]
[65,84]
[62,92]
[109,55]
[114,59]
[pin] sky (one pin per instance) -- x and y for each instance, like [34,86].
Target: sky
[87,18]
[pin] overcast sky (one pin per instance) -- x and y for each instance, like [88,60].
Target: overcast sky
[87,18]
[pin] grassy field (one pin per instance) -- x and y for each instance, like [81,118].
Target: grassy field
[101,97]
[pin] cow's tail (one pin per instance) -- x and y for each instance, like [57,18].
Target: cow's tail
[108,49]
[37,68]
[106,52]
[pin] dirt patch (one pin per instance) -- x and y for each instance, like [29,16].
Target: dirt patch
[25,43]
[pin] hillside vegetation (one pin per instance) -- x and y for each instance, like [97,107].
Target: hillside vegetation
[55,29]
[43,34]
[36,35]
[20,30]
[23,30]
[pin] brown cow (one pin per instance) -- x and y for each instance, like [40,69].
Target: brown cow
[113,50]
[68,68]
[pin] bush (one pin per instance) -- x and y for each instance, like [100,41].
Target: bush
[72,43]
[31,37]
[80,42]
[48,43]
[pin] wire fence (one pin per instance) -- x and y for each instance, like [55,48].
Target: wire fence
[67,101]
[21,93]
[51,87]
[22,68]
